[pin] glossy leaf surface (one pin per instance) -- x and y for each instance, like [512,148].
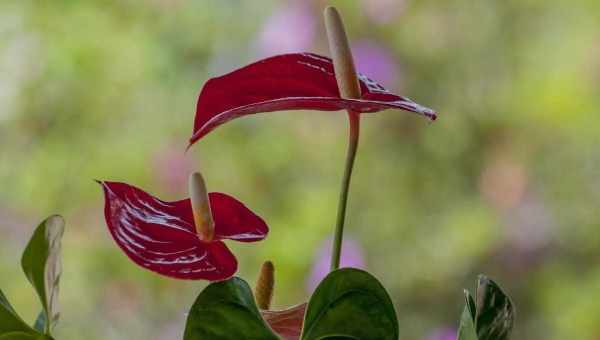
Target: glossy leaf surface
[226,310]
[350,304]
[41,264]
[287,323]
[161,237]
[10,321]
[495,312]
[298,81]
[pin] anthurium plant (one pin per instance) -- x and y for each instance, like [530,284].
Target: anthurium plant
[186,239]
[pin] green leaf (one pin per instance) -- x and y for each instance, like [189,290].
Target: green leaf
[466,330]
[41,264]
[10,322]
[495,312]
[226,310]
[350,304]
[21,336]
[470,304]
[40,322]
[24,336]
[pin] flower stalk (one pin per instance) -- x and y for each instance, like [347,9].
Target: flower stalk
[349,87]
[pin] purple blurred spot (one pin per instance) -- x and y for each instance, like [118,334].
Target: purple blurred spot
[446,333]
[376,62]
[290,28]
[352,256]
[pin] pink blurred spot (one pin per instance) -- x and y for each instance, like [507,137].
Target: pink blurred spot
[376,62]
[529,227]
[442,334]
[503,182]
[290,28]
[352,256]
[171,168]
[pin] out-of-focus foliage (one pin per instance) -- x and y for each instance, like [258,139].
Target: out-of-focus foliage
[505,182]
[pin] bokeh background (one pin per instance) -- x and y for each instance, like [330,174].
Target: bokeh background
[506,182]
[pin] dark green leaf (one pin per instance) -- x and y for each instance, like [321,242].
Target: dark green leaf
[495,313]
[466,330]
[226,311]
[41,264]
[9,320]
[470,304]
[350,304]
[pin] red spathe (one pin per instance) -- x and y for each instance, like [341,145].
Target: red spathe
[161,236]
[298,81]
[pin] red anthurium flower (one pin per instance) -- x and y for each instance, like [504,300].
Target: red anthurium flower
[287,323]
[298,81]
[161,236]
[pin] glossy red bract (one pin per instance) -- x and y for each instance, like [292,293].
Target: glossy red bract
[286,323]
[161,237]
[299,81]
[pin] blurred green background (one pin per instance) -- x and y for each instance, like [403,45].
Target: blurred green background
[506,182]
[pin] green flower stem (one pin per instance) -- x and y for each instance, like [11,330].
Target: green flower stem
[354,120]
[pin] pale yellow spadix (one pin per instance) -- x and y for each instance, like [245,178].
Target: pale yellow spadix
[265,285]
[205,226]
[339,48]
